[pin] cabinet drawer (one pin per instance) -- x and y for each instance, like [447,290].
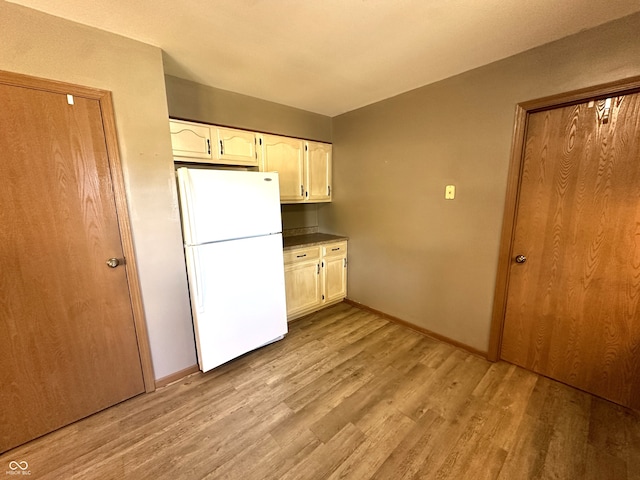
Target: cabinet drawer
[338,248]
[302,255]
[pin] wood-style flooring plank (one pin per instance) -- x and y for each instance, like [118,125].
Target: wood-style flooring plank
[348,394]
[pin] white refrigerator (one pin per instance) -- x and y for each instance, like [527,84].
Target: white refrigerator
[233,248]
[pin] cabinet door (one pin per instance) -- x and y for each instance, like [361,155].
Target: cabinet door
[235,147]
[334,272]
[318,172]
[302,286]
[190,140]
[285,156]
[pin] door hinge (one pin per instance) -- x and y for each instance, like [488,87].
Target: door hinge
[302,190]
[345,263]
[329,190]
[323,297]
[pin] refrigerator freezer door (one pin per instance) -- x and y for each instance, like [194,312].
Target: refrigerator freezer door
[219,205]
[237,297]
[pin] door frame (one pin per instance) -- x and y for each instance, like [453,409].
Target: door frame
[512,197]
[105,101]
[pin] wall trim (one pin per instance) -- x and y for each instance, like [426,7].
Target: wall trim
[115,164]
[177,376]
[523,110]
[417,328]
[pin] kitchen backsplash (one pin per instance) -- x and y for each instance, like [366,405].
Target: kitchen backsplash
[290,232]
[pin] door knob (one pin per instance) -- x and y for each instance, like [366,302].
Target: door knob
[113,262]
[521,259]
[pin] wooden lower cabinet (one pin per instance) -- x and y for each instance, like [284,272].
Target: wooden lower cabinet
[315,277]
[302,280]
[334,272]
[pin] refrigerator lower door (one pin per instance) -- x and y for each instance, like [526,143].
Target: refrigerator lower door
[237,297]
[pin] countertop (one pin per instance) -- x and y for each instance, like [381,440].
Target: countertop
[310,240]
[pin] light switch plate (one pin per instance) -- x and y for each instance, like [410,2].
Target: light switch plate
[450,192]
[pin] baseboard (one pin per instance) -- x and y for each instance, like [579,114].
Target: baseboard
[174,377]
[418,329]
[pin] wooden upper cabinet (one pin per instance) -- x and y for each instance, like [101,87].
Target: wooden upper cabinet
[286,156]
[304,167]
[235,147]
[317,172]
[190,140]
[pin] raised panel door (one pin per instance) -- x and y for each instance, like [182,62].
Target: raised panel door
[285,156]
[335,278]
[190,140]
[302,286]
[235,147]
[318,172]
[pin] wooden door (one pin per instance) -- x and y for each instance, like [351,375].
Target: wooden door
[285,156]
[572,310]
[67,337]
[318,172]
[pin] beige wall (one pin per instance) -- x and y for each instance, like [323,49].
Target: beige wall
[413,254]
[45,46]
[192,101]
[299,216]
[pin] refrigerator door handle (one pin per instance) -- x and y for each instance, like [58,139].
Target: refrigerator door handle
[186,196]
[198,286]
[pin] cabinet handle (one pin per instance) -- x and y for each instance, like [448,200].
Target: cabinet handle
[335,249]
[208,147]
[302,190]
[300,256]
[221,148]
[318,269]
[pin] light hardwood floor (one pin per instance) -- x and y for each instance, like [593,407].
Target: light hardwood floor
[349,395]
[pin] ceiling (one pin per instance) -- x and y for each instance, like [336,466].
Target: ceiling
[333,56]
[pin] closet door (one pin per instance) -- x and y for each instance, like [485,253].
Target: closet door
[573,302]
[67,334]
